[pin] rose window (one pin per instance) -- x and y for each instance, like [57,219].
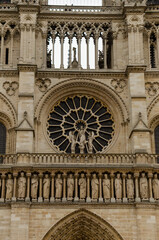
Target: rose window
[80,124]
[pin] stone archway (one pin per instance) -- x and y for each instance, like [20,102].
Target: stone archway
[82,225]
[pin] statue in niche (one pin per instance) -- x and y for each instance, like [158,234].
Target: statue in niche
[21,186]
[46,187]
[82,139]
[70,187]
[106,187]
[95,187]
[90,142]
[58,185]
[9,187]
[82,183]
[155,186]
[118,187]
[130,187]
[34,186]
[143,186]
[72,139]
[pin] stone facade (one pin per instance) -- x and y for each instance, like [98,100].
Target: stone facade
[79,158]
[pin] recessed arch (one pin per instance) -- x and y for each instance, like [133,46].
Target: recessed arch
[83,86]
[82,225]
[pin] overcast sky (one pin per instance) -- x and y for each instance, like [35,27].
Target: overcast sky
[76,2]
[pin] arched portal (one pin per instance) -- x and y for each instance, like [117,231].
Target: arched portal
[82,225]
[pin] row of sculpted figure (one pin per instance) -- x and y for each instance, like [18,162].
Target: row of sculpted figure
[85,187]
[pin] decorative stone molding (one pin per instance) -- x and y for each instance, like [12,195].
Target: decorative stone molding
[10,87]
[118,84]
[152,88]
[43,84]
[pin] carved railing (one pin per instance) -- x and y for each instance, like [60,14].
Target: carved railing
[82,9]
[56,158]
[8,7]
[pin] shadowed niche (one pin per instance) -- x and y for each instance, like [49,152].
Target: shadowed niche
[82,225]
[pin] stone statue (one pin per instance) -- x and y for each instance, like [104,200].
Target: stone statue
[9,187]
[34,186]
[118,187]
[58,185]
[90,142]
[155,186]
[21,186]
[130,187]
[70,187]
[143,187]
[106,187]
[72,139]
[95,187]
[82,183]
[46,187]
[82,139]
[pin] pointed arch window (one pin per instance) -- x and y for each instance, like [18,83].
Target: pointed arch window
[2,138]
[153,43]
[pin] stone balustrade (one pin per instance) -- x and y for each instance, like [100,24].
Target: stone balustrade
[82,9]
[56,158]
[84,185]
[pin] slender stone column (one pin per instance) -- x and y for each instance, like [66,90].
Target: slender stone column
[2,50]
[76,199]
[87,41]
[62,43]
[27,199]
[124,187]
[3,177]
[150,176]
[112,187]
[52,199]
[105,51]
[115,50]
[53,50]
[88,188]
[137,198]
[40,198]
[79,51]
[148,43]
[11,51]
[15,187]
[44,49]
[70,51]
[64,187]
[100,187]
[33,44]
[96,51]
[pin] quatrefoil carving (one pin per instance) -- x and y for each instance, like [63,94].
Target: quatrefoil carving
[118,84]
[10,87]
[43,83]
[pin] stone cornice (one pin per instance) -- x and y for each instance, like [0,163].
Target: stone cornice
[80,73]
[27,68]
[135,68]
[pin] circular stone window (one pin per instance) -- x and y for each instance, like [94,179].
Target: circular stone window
[80,124]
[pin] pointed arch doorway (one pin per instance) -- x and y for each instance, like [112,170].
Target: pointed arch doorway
[82,225]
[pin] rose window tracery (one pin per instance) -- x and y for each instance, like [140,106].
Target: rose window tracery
[80,124]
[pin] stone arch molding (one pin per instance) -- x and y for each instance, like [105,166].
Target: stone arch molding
[83,86]
[8,114]
[82,225]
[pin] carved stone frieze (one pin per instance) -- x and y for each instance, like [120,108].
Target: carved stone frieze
[118,84]
[10,87]
[43,84]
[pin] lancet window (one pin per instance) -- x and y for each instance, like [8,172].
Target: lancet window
[153,43]
[79,46]
[2,138]
[156,135]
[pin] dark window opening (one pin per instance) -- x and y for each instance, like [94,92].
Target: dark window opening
[7,56]
[152,50]
[2,139]
[156,133]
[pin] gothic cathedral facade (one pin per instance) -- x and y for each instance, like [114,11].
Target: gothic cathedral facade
[79,121]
